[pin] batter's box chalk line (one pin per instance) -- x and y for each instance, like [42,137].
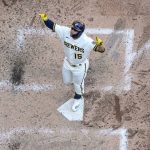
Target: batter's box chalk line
[12,133]
[128,35]
[6,85]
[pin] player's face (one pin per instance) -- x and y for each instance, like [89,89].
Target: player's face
[73,31]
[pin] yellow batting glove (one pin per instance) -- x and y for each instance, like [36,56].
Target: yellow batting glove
[44,17]
[98,41]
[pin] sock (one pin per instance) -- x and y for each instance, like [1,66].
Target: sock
[77,96]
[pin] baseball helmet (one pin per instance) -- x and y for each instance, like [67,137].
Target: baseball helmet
[79,27]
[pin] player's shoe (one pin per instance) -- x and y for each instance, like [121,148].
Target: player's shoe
[76,104]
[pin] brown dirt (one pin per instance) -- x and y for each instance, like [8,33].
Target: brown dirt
[40,61]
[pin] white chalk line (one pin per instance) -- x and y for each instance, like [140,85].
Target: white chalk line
[122,133]
[129,54]
[28,31]
[132,56]
[6,85]
[128,33]
[129,57]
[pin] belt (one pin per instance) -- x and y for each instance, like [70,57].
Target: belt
[77,65]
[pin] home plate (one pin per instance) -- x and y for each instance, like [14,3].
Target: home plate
[66,110]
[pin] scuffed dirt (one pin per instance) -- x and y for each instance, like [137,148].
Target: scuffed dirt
[17,72]
[104,110]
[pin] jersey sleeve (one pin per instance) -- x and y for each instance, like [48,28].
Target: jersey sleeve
[60,30]
[91,44]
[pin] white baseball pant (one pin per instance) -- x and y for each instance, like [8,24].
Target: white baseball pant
[75,74]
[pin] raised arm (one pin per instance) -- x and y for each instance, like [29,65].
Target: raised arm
[49,23]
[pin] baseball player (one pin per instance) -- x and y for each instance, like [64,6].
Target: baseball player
[77,47]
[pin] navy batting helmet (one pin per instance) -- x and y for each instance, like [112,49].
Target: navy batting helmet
[79,27]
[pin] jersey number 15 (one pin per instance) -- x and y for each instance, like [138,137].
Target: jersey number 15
[78,56]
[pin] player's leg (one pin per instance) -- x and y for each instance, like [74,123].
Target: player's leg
[67,76]
[79,76]
[78,81]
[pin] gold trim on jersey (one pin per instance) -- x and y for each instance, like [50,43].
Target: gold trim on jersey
[85,71]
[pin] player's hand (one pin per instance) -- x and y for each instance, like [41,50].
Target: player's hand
[98,41]
[44,17]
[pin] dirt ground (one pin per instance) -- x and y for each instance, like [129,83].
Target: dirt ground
[107,103]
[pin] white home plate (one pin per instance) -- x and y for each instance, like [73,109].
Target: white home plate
[66,110]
